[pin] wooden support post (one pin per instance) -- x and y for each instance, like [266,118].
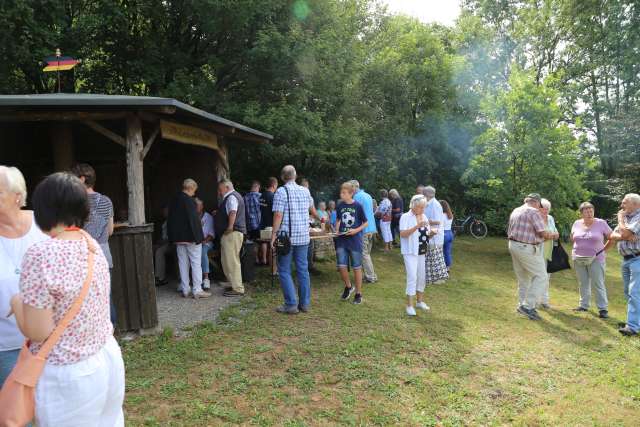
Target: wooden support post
[135,170]
[106,132]
[62,142]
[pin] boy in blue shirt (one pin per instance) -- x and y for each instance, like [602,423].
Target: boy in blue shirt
[351,220]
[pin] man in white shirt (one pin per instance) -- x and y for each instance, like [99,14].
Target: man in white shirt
[436,271]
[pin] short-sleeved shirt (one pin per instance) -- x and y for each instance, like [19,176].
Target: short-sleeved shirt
[384,209]
[525,223]
[232,202]
[366,201]
[100,214]
[252,206]
[417,242]
[398,206]
[300,202]
[628,247]
[434,212]
[266,209]
[589,241]
[53,272]
[351,216]
[208,229]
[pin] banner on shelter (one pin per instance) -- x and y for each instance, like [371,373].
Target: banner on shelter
[190,135]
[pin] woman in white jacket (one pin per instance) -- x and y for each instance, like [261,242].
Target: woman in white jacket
[414,241]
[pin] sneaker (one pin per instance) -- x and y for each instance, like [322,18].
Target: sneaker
[202,294]
[580,309]
[603,314]
[627,331]
[285,309]
[531,314]
[347,293]
[423,306]
[206,284]
[303,309]
[371,280]
[411,311]
[232,293]
[357,299]
[184,294]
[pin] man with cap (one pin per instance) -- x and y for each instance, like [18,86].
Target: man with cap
[526,234]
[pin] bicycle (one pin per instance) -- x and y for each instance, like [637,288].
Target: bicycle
[476,227]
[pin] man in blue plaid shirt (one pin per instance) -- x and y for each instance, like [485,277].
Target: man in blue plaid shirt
[291,215]
[254,215]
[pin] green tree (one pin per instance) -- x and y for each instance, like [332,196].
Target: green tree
[525,149]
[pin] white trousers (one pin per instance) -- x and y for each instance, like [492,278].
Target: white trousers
[531,272]
[385,228]
[190,255]
[416,280]
[89,393]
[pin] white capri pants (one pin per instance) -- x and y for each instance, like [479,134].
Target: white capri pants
[385,229]
[416,280]
[89,393]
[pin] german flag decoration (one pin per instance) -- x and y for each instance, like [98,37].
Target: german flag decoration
[59,63]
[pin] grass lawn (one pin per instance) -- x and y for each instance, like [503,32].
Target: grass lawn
[470,361]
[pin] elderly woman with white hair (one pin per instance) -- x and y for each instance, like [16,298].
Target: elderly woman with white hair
[414,241]
[547,251]
[18,231]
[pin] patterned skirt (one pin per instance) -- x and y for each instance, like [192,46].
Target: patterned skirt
[436,269]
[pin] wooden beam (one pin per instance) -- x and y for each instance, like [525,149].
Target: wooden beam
[58,116]
[135,170]
[106,132]
[150,141]
[62,144]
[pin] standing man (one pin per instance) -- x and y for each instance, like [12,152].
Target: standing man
[266,215]
[366,202]
[184,229]
[231,226]
[436,270]
[99,225]
[627,234]
[291,206]
[254,214]
[526,235]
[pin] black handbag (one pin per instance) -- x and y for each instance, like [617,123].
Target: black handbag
[283,240]
[559,260]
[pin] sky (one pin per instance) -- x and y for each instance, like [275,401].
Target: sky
[441,11]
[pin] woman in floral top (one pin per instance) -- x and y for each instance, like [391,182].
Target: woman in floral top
[83,381]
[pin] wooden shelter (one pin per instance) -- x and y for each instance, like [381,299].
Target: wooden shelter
[142,148]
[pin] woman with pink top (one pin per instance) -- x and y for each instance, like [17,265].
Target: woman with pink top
[589,235]
[82,383]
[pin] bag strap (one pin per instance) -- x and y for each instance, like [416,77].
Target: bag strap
[286,190]
[75,307]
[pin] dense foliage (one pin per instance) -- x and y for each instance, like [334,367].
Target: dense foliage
[519,95]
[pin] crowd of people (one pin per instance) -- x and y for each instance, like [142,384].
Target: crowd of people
[55,280]
[532,235]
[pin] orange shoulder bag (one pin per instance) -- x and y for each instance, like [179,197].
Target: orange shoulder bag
[17,397]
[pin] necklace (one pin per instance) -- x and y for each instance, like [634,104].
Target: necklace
[12,259]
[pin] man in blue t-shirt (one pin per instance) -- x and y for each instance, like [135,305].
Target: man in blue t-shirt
[351,220]
[370,231]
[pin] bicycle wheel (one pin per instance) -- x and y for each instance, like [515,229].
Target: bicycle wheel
[478,229]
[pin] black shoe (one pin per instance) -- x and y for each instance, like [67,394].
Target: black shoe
[531,314]
[232,293]
[357,299]
[604,314]
[627,331]
[303,309]
[621,325]
[286,309]
[347,293]
[580,309]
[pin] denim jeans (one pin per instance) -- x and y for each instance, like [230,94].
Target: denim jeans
[8,360]
[302,298]
[448,247]
[631,279]
[206,248]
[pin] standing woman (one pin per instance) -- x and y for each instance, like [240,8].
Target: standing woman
[82,383]
[448,234]
[333,216]
[397,208]
[384,213]
[588,235]
[547,248]
[414,241]
[18,231]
